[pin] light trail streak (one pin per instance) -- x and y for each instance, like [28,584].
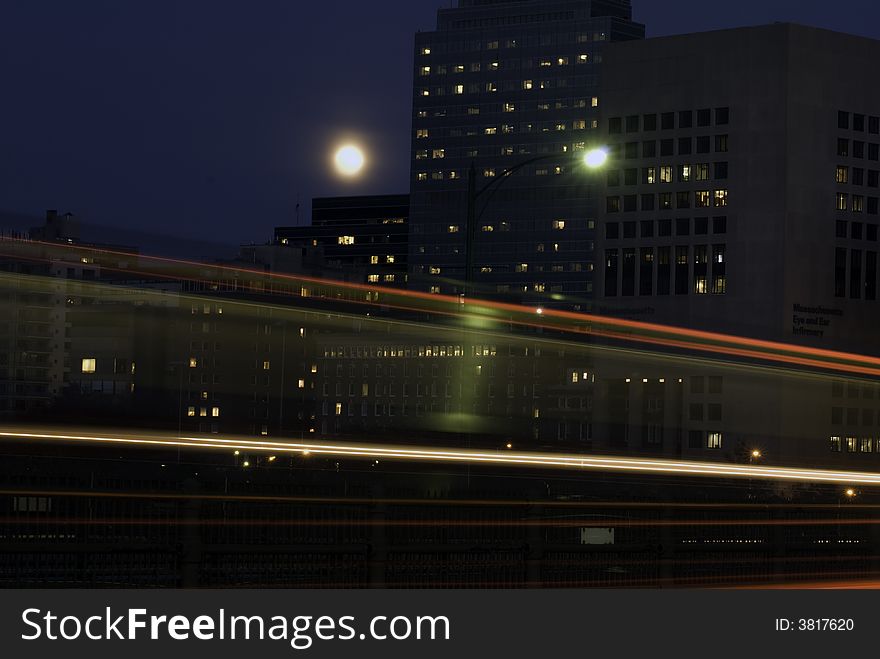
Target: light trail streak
[609,327]
[465,456]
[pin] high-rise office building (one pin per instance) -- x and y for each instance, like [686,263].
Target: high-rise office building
[742,197]
[499,86]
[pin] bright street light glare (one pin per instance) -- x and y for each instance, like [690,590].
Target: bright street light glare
[595,158]
[349,160]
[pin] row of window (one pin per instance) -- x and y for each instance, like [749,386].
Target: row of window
[518,64]
[668,174]
[683,146]
[621,266]
[666,201]
[857,149]
[854,444]
[850,416]
[545,38]
[478,109]
[858,122]
[494,86]
[854,230]
[668,121]
[857,203]
[860,278]
[663,228]
[856,176]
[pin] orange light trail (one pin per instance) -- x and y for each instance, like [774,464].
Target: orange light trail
[464,456]
[608,327]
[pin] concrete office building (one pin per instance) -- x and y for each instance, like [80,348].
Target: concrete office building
[742,197]
[496,85]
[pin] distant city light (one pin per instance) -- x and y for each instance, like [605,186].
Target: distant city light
[756,454]
[595,158]
[349,160]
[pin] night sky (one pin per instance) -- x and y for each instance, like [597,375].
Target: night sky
[210,119]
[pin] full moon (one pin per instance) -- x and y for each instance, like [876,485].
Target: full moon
[349,160]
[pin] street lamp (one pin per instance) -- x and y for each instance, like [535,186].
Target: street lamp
[756,454]
[349,160]
[596,158]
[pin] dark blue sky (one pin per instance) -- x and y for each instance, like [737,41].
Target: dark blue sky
[210,118]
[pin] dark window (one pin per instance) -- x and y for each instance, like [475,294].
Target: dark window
[721,144]
[713,412]
[647,202]
[682,226]
[856,230]
[632,150]
[701,226]
[873,151]
[682,199]
[842,147]
[613,205]
[682,284]
[843,120]
[855,274]
[696,411]
[685,146]
[719,225]
[840,272]
[695,439]
[630,176]
[872,206]
[667,147]
[859,122]
[611,272]
[667,120]
[858,176]
[630,203]
[720,171]
[649,149]
[613,177]
[703,144]
[704,117]
[650,122]
[612,231]
[632,124]
[647,228]
[629,230]
[841,231]
[716,384]
[873,178]
[663,270]
[628,280]
[874,125]
[665,200]
[858,149]
[646,271]
[615,125]
[685,119]
[870,275]
[664,228]
[870,232]
[722,116]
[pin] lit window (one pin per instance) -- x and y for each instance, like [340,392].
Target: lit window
[193,362]
[842,201]
[89,364]
[583,59]
[338,409]
[720,198]
[684,173]
[426,51]
[559,224]
[842,174]
[215,411]
[666,174]
[527,84]
[314,368]
[422,176]
[713,440]
[452,228]
[439,153]
[425,70]
[594,102]
[435,290]
[374,260]
[373,279]
[389,258]
[488,228]
[389,278]
[266,365]
[434,270]
[346,240]
[203,411]
[701,198]
[836,444]
[458,89]
[508,107]
[422,133]
[491,130]
[301,384]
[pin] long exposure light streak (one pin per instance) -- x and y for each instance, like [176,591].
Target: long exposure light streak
[629,330]
[461,456]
